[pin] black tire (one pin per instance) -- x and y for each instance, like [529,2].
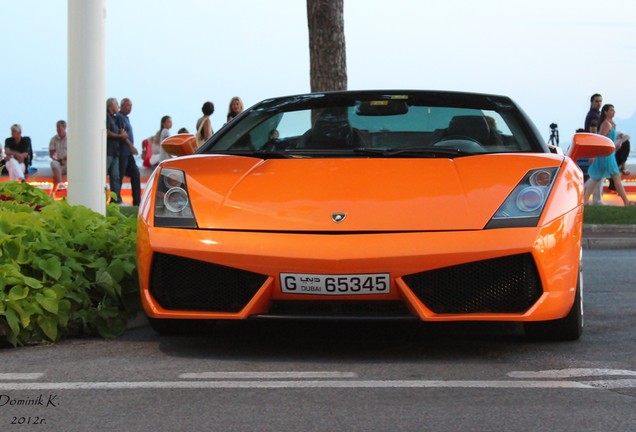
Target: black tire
[568,328]
[176,327]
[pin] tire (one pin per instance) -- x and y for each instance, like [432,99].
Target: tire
[177,327]
[568,328]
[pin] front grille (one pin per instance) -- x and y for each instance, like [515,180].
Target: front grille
[500,285]
[339,309]
[179,283]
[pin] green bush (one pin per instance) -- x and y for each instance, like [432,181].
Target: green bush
[609,215]
[64,270]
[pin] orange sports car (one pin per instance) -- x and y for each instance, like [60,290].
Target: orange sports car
[424,205]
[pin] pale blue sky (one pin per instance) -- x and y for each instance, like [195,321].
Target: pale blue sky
[171,56]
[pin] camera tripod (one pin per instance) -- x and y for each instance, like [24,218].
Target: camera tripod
[554,135]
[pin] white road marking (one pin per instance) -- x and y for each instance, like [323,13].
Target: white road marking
[267,375]
[328,384]
[330,380]
[571,373]
[20,376]
[613,384]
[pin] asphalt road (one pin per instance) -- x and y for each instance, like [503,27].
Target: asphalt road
[282,376]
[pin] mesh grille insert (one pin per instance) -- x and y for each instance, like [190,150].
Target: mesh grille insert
[179,283]
[500,285]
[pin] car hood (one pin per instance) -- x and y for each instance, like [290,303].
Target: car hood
[352,194]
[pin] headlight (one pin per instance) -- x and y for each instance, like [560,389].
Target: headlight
[524,205]
[530,199]
[172,203]
[176,200]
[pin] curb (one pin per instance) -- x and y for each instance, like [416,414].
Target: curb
[609,229]
[609,236]
[608,243]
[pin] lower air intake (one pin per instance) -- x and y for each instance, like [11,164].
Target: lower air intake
[508,284]
[179,283]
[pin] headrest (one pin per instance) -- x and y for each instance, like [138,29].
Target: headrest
[331,130]
[475,127]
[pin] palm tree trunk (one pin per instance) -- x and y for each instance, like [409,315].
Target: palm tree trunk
[327,54]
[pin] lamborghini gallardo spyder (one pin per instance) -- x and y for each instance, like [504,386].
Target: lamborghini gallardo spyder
[423,205]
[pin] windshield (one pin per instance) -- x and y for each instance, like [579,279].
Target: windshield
[386,125]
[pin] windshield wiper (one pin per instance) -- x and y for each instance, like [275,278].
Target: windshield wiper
[431,152]
[256,153]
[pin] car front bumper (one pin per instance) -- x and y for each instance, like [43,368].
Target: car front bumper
[513,274]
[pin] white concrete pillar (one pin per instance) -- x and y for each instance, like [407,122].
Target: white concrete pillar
[86,104]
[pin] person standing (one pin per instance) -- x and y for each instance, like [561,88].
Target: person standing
[594,114]
[162,134]
[127,151]
[204,126]
[606,166]
[115,135]
[57,152]
[235,108]
[17,154]
[591,125]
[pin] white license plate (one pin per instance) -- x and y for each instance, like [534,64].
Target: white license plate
[341,284]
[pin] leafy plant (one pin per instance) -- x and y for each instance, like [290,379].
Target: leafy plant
[64,270]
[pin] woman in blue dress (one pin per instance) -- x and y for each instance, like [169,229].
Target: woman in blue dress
[605,166]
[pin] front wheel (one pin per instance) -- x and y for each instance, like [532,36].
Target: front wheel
[568,328]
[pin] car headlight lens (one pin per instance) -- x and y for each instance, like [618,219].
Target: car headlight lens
[176,200]
[172,203]
[524,205]
[530,199]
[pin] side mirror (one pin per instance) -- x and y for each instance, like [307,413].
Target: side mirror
[589,145]
[180,144]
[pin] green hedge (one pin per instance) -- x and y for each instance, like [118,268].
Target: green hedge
[594,214]
[64,270]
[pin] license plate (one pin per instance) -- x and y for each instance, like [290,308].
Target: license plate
[341,284]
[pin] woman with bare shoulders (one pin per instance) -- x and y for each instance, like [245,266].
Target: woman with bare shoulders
[204,126]
[158,153]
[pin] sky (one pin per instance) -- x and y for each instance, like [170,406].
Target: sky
[170,57]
